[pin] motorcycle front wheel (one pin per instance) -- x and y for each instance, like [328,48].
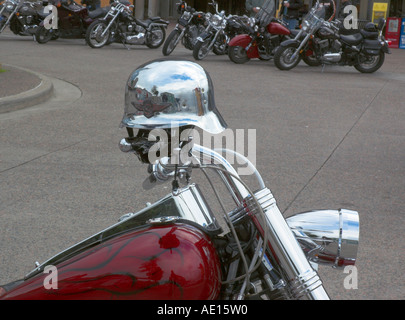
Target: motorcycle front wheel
[220,46]
[370,64]
[155,37]
[238,54]
[201,49]
[283,57]
[94,33]
[43,35]
[171,42]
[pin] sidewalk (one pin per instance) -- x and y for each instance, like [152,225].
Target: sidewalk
[21,88]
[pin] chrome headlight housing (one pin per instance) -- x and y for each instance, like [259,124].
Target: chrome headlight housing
[216,20]
[305,25]
[186,15]
[10,6]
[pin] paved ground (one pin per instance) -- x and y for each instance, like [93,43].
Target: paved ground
[15,81]
[323,140]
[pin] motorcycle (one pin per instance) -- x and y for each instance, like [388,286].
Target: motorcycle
[178,248]
[23,16]
[264,36]
[321,42]
[73,20]
[217,34]
[189,26]
[120,25]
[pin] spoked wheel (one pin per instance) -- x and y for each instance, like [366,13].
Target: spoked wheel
[43,35]
[238,54]
[370,64]
[201,49]
[220,46]
[171,42]
[155,37]
[94,34]
[283,58]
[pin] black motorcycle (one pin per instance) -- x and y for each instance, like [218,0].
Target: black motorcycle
[73,20]
[119,25]
[220,30]
[23,17]
[320,42]
[189,26]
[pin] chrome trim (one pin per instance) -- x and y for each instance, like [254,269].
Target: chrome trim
[303,281]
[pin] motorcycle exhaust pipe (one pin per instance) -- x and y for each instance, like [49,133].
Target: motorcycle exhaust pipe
[328,237]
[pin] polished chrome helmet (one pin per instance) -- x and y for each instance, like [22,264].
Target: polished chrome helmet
[162,94]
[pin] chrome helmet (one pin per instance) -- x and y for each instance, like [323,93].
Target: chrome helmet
[162,94]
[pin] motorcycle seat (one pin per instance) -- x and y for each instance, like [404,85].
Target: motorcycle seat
[147,22]
[352,39]
[98,12]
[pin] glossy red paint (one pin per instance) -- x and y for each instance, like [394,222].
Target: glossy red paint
[277,28]
[243,40]
[176,261]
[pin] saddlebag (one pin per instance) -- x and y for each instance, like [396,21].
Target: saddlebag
[371,47]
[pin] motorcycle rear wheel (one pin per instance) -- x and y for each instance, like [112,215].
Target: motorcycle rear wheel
[171,42]
[93,34]
[155,37]
[201,50]
[43,35]
[370,63]
[238,54]
[282,57]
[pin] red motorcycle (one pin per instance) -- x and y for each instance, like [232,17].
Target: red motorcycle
[265,36]
[181,247]
[73,20]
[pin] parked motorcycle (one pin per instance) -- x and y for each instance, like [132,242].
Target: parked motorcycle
[23,17]
[119,24]
[264,36]
[217,34]
[178,248]
[73,20]
[189,26]
[321,42]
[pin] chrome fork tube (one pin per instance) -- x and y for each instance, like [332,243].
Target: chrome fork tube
[9,17]
[302,44]
[303,281]
[111,22]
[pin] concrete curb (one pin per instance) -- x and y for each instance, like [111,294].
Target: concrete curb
[29,98]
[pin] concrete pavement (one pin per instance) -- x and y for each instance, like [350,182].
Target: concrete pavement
[324,140]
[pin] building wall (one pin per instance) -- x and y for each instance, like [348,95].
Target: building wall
[167,8]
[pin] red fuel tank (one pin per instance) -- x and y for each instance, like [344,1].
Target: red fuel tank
[176,261]
[276,28]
